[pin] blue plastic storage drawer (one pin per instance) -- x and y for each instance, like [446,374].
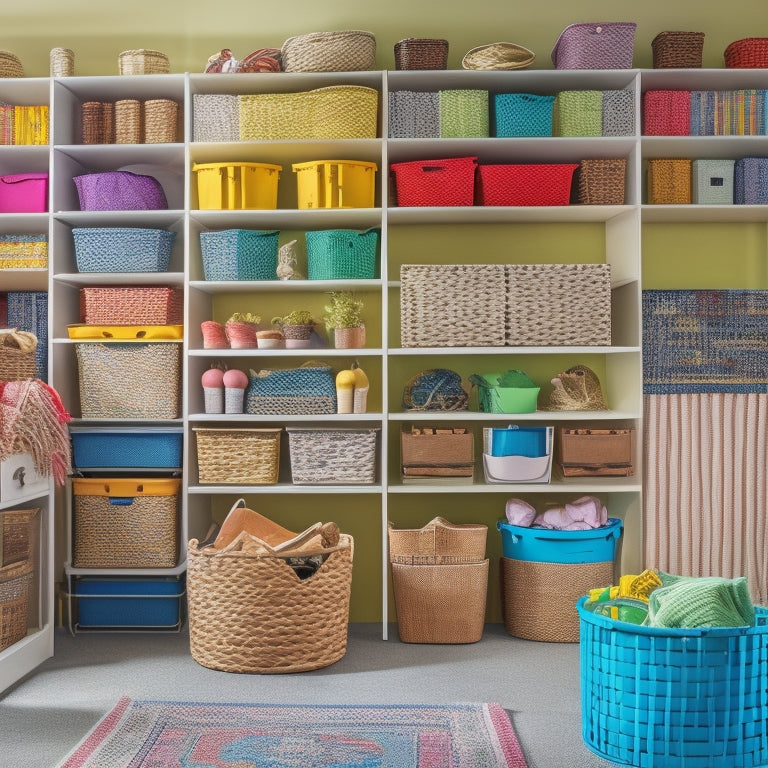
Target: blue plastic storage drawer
[131,601]
[674,698]
[542,545]
[134,447]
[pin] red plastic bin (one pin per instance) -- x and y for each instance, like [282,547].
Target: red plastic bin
[444,182]
[521,184]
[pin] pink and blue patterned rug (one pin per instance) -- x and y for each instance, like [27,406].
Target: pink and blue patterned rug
[167,734]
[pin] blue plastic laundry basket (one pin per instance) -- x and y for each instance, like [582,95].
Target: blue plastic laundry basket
[674,698]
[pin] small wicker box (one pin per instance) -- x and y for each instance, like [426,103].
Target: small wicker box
[421,53]
[437,452]
[18,535]
[677,50]
[601,181]
[160,121]
[712,182]
[321,456]
[238,456]
[439,542]
[578,113]
[669,181]
[98,122]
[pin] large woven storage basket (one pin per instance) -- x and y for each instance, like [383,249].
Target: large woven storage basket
[595,45]
[310,389]
[15,591]
[342,51]
[421,53]
[333,112]
[215,117]
[473,294]
[122,249]
[437,452]
[342,254]
[559,305]
[252,613]
[440,603]
[677,50]
[414,115]
[439,542]
[324,456]
[749,53]
[539,598]
[129,380]
[522,114]
[669,181]
[132,305]
[248,456]
[239,254]
[142,61]
[601,181]
[443,182]
[123,522]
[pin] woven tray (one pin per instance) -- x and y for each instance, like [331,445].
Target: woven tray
[342,51]
[238,456]
[250,613]
[439,542]
[498,56]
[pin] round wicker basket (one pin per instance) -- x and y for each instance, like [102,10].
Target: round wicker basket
[10,65]
[143,62]
[498,56]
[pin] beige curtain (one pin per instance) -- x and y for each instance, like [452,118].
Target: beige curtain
[705,489]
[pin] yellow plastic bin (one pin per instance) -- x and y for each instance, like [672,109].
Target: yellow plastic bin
[236,186]
[336,183]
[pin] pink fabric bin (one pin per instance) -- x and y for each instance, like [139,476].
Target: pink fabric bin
[24,193]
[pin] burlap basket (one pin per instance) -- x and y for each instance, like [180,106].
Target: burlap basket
[343,51]
[439,542]
[252,613]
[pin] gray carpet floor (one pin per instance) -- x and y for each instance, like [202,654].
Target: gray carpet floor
[48,713]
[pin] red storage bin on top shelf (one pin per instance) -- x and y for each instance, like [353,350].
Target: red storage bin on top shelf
[525,184]
[443,182]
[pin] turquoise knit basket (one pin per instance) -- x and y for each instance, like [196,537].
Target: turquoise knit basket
[342,254]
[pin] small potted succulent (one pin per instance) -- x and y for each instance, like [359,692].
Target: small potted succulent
[343,313]
[241,330]
[297,327]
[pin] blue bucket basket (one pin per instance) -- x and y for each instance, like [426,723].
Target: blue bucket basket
[542,545]
[677,698]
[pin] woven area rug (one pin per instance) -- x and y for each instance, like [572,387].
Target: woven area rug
[166,734]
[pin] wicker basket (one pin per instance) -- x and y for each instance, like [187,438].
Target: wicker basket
[342,254]
[473,292]
[122,249]
[18,541]
[129,380]
[106,513]
[559,305]
[321,456]
[749,53]
[677,50]
[439,542]
[343,51]
[539,599]
[18,350]
[128,128]
[160,123]
[250,612]
[238,456]
[750,181]
[498,56]
[15,588]
[524,184]
[143,62]
[334,112]
[62,62]
[98,122]
[578,113]
[667,113]
[601,181]
[132,305]
[215,117]
[440,603]
[669,181]
[421,53]
[10,65]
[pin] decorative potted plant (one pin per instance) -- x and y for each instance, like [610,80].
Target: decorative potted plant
[343,313]
[297,327]
[241,330]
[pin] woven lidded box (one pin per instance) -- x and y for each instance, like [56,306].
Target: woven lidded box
[595,45]
[238,456]
[669,181]
[712,182]
[750,181]
[338,456]
[677,50]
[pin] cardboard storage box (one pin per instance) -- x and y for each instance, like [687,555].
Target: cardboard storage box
[594,452]
[437,452]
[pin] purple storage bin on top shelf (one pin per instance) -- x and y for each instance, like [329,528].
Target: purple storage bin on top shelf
[595,45]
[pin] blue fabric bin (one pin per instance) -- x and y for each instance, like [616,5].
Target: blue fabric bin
[542,545]
[134,447]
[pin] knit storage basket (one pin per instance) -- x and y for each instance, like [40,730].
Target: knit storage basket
[667,113]
[332,456]
[120,522]
[440,603]
[522,114]
[120,191]
[251,612]
[578,113]
[439,542]
[712,182]
[15,591]
[24,251]
[595,45]
[19,537]
[342,254]
[669,181]
[160,121]
[18,351]
[473,294]
[618,112]
[444,182]
[559,305]
[310,389]
[539,598]
[750,181]
[333,112]
[524,184]
[132,305]
[677,50]
[464,114]
[414,115]
[215,117]
[238,456]
[142,61]
[342,51]
[239,254]
[681,698]
[421,53]
[601,181]
[122,249]
[129,380]
[749,53]
[98,122]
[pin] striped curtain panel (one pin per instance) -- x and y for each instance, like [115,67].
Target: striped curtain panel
[705,486]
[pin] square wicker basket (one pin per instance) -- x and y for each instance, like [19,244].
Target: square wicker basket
[332,456]
[238,456]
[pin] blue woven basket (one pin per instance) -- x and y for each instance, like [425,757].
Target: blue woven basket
[342,254]
[122,249]
[522,114]
[677,698]
[307,390]
[239,254]
[750,181]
